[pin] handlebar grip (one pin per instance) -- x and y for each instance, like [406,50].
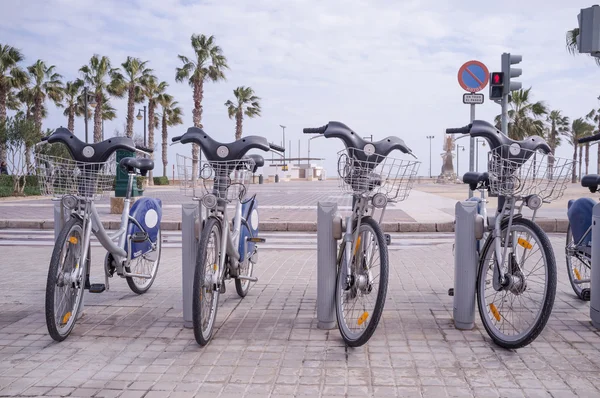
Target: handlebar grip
[591,138]
[276,148]
[44,139]
[316,130]
[461,130]
[176,139]
[143,149]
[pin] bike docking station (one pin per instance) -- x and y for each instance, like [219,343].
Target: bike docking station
[329,231]
[594,274]
[192,220]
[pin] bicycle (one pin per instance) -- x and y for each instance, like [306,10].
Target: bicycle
[223,253]
[578,248]
[520,173]
[78,182]
[374,180]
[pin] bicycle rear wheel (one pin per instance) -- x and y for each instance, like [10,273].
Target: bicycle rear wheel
[578,266]
[359,304]
[515,313]
[64,291]
[205,298]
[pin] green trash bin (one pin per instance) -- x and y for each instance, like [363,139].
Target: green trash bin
[276,177]
[260,179]
[122,177]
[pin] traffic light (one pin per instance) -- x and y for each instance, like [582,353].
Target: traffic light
[496,85]
[508,60]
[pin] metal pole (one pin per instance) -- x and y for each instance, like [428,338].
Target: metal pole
[326,265]
[594,274]
[85,117]
[504,115]
[477,155]
[430,158]
[189,246]
[472,148]
[145,126]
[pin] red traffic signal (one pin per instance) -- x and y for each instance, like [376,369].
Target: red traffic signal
[497,78]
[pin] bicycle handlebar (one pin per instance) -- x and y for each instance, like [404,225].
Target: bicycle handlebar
[460,130]
[591,138]
[277,148]
[147,151]
[176,139]
[315,130]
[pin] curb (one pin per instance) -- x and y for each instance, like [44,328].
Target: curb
[549,225]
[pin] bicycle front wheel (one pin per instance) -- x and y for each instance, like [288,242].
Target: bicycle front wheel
[205,297]
[515,312]
[578,266]
[146,264]
[64,289]
[361,296]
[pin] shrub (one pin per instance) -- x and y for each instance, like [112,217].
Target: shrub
[161,180]
[140,182]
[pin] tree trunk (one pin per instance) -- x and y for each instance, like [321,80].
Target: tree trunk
[3,94]
[574,170]
[98,119]
[197,117]
[587,158]
[151,106]
[165,137]
[598,165]
[130,110]
[580,153]
[71,120]
[238,124]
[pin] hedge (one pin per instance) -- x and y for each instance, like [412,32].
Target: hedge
[161,180]
[6,186]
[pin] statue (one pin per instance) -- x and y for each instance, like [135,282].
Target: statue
[447,175]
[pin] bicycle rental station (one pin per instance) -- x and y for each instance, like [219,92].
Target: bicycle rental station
[503,261]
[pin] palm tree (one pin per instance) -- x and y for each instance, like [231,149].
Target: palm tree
[208,64]
[45,83]
[152,90]
[130,82]
[594,116]
[579,129]
[25,97]
[247,103]
[72,104]
[11,77]
[171,116]
[524,117]
[98,74]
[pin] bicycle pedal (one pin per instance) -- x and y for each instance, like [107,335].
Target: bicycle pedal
[388,239]
[585,294]
[248,278]
[222,288]
[451,292]
[139,237]
[97,287]
[256,240]
[86,285]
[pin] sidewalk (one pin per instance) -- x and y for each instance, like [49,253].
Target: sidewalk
[292,206]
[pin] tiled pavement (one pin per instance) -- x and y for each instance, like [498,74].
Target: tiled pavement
[268,345]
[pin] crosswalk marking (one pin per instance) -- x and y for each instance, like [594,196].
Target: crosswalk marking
[274,240]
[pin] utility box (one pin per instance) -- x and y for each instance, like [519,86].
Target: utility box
[588,41]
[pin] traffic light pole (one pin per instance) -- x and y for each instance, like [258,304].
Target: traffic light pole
[504,115]
[472,149]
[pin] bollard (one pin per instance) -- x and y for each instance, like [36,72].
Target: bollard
[260,179]
[276,177]
[594,272]
[326,265]
[190,215]
[465,264]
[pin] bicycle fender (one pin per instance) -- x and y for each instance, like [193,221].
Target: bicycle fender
[148,213]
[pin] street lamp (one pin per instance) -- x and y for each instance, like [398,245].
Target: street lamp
[430,137]
[283,145]
[139,117]
[458,148]
[91,98]
[477,141]
[309,140]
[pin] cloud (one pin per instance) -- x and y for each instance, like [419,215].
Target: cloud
[382,67]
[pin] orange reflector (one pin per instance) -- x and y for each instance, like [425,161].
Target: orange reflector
[577,274]
[495,312]
[66,318]
[73,240]
[357,245]
[215,267]
[363,318]
[524,243]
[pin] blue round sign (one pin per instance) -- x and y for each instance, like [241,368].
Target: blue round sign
[473,76]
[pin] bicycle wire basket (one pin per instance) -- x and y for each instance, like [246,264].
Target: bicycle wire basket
[58,176]
[378,174]
[226,180]
[528,173]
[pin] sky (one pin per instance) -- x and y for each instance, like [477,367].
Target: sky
[382,67]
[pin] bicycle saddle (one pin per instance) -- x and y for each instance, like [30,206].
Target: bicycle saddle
[89,153]
[258,161]
[218,152]
[591,181]
[473,178]
[142,164]
[353,140]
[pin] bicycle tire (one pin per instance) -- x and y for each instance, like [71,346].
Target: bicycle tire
[577,287]
[131,280]
[381,294]
[550,286]
[53,280]
[203,336]
[239,284]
